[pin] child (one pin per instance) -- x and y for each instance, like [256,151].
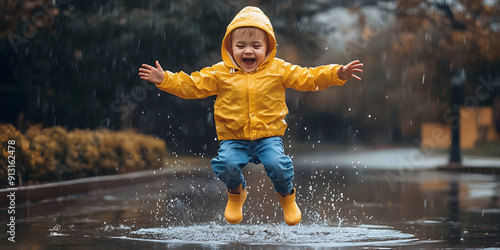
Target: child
[250,108]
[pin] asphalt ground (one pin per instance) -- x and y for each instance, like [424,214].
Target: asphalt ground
[367,199]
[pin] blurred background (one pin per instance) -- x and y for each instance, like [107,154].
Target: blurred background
[71,68]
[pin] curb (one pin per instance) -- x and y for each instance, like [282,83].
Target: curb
[24,196]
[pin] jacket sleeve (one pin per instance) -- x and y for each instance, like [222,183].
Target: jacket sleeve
[198,85]
[310,79]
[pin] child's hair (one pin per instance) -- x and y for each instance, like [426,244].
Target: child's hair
[252,31]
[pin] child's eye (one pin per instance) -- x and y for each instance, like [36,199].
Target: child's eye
[257,46]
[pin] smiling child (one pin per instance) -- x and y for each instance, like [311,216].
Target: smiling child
[250,108]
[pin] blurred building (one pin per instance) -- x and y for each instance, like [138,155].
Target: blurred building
[477,125]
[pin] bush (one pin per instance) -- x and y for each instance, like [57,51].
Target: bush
[55,154]
[21,153]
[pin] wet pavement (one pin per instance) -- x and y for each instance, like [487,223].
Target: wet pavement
[344,206]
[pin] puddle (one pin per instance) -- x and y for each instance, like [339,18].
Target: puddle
[310,235]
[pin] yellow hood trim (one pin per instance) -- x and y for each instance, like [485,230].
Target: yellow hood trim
[249,17]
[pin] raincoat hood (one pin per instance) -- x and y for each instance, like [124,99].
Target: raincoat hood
[249,17]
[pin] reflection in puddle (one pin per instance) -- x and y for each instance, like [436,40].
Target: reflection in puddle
[309,235]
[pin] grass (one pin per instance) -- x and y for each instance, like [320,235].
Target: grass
[488,149]
[485,149]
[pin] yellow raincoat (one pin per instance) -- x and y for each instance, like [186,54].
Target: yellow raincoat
[252,105]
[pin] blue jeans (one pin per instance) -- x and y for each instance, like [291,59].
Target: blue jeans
[234,155]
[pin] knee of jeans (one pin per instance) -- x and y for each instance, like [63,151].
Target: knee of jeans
[229,167]
[283,163]
[284,176]
[280,173]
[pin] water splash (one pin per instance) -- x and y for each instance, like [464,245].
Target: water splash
[270,234]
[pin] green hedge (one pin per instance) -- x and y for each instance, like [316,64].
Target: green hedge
[55,154]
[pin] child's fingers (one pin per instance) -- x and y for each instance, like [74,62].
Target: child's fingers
[148,66]
[352,63]
[356,77]
[158,66]
[357,66]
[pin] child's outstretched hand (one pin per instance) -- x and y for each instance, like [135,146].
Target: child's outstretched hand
[347,71]
[152,74]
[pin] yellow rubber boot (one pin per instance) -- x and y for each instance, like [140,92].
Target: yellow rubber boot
[290,209]
[234,207]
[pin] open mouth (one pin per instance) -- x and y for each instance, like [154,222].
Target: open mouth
[249,61]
